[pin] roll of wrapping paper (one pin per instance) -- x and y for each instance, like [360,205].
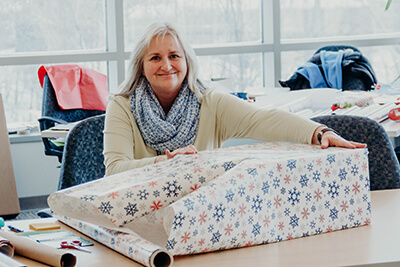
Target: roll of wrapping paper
[31,249]
[6,247]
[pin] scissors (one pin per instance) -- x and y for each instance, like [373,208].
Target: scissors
[74,244]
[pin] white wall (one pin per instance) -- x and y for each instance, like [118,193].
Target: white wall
[35,173]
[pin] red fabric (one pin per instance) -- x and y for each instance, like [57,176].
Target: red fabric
[77,87]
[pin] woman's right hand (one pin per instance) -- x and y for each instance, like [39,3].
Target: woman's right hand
[190,149]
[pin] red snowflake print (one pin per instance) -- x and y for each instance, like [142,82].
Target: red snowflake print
[266,221]
[367,222]
[240,176]
[195,187]
[205,250]
[203,218]
[197,170]
[228,229]
[242,210]
[357,155]
[359,211]
[281,226]
[344,206]
[318,194]
[248,244]
[251,186]
[364,166]
[327,173]
[279,167]
[201,242]
[261,166]
[185,237]
[321,218]
[244,234]
[319,162]
[289,237]
[305,213]
[156,205]
[277,202]
[152,184]
[356,188]
[287,179]
[113,195]
[329,229]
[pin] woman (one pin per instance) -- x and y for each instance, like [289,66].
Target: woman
[163,110]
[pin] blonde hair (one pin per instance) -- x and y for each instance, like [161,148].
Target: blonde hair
[135,68]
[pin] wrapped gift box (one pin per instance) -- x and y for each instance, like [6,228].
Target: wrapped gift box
[228,198]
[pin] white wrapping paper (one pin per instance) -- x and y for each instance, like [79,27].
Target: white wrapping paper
[221,199]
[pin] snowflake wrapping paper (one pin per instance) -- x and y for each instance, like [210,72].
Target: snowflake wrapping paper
[226,198]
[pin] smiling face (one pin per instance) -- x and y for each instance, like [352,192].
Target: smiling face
[165,67]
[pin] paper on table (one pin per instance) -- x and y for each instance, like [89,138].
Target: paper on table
[36,251]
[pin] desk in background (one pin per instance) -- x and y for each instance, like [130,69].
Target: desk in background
[377,243]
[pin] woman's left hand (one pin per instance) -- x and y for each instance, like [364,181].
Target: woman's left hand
[330,138]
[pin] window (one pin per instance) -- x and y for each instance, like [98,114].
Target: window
[255,43]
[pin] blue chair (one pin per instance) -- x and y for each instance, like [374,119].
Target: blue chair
[83,153]
[52,114]
[384,168]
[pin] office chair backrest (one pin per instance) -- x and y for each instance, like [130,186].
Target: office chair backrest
[384,168]
[83,153]
[52,113]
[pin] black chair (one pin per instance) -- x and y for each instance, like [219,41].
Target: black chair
[52,114]
[82,160]
[384,168]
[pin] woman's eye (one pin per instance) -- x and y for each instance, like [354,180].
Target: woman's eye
[174,56]
[155,58]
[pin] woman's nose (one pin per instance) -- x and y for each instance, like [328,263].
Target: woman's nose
[166,64]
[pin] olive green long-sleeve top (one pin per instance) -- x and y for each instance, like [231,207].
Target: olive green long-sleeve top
[222,116]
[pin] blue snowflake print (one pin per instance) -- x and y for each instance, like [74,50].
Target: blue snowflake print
[278,238]
[271,173]
[192,221]
[333,190]
[250,220]
[156,193]
[327,204]
[88,197]
[312,224]
[348,161]
[334,214]
[228,165]
[308,197]
[351,216]
[233,212]
[294,221]
[188,204]
[272,232]
[257,201]
[344,227]
[269,204]
[318,231]
[201,199]
[361,178]
[365,198]
[283,190]
[286,212]
[313,208]
[172,188]
[214,166]
[256,229]
[105,207]
[188,176]
[310,167]
[143,194]
[195,232]
[354,170]
[210,206]
[316,176]
[342,174]
[291,164]
[331,158]
[294,196]
[306,234]
[171,244]
[232,181]
[202,179]
[178,220]
[323,184]
[347,190]
[233,241]
[219,212]
[357,223]
[351,201]
[369,206]
[189,248]
[129,194]
[131,209]
[215,238]
[276,183]
[265,187]
[237,224]
[241,190]
[210,228]
[247,198]
[252,171]
[229,195]
[303,180]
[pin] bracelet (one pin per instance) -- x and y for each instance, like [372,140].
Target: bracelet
[321,133]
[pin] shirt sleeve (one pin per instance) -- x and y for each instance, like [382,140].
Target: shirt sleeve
[239,119]
[119,140]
